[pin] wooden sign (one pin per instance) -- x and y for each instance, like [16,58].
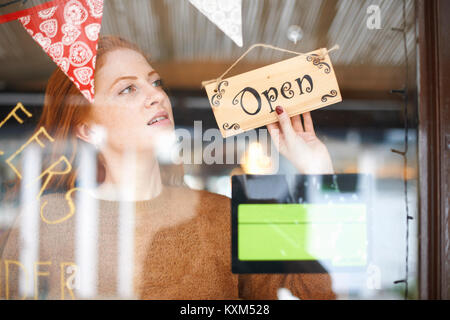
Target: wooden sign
[248,100]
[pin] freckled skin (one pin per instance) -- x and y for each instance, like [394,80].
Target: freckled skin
[123,109]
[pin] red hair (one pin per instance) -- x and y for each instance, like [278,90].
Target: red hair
[65,108]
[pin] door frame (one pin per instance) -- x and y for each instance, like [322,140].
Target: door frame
[434,148]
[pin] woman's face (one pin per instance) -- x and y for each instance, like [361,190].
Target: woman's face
[130,103]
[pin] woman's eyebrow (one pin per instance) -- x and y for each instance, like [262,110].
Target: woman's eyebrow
[151,73]
[123,78]
[131,78]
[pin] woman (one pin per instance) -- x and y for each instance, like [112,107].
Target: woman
[181,237]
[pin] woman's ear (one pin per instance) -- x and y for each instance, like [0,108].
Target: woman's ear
[84,133]
[92,134]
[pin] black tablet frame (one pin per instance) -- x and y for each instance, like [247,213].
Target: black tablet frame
[239,196]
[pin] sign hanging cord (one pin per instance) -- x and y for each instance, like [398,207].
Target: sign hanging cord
[321,56]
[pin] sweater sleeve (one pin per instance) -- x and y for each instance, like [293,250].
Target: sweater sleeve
[49,285]
[10,256]
[315,286]
[303,286]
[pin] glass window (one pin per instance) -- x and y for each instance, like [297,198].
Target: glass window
[136,194]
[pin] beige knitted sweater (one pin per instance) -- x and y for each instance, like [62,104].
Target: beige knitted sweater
[181,249]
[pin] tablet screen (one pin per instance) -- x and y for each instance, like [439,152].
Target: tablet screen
[308,227]
[333,233]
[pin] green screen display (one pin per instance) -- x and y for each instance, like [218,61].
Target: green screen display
[282,232]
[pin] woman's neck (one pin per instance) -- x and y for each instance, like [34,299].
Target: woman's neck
[130,176]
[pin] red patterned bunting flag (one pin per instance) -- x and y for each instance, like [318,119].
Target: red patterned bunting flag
[68,31]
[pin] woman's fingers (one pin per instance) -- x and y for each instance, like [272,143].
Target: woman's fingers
[285,124]
[297,123]
[274,131]
[308,123]
[272,127]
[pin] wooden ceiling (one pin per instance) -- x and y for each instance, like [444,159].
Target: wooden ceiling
[187,48]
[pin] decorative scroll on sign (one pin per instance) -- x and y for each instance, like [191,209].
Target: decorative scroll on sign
[247,101]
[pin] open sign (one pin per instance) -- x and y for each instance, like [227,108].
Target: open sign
[248,100]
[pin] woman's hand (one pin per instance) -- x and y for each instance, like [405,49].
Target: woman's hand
[299,144]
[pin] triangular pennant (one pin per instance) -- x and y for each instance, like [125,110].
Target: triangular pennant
[227,15]
[68,31]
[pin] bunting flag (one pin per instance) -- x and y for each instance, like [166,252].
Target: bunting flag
[68,31]
[226,15]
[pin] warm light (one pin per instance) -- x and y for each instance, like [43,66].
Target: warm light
[255,161]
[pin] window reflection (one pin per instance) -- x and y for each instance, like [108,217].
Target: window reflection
[82,246]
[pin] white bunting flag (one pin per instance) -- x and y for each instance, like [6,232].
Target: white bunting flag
[225,14]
